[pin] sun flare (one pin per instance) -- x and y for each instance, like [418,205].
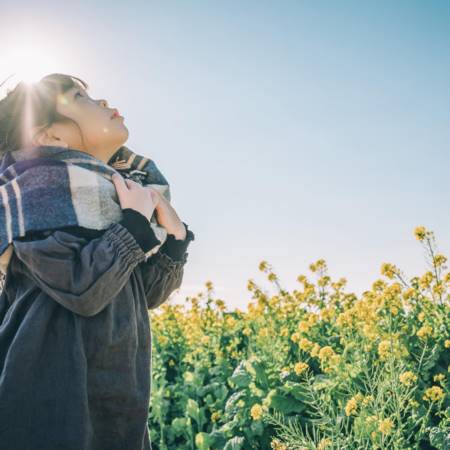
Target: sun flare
[28,62]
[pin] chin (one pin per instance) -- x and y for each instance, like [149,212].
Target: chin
[122,136]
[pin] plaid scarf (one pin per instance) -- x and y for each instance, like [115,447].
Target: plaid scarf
[48,187]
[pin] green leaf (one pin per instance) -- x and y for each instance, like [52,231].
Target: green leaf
[286,404]
[179,426]
[259,373]
[297,390]
[240,378]
[192,409]
[202,441]
[257,428]
[221,393]
[230,405]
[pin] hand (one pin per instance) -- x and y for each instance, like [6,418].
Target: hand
[133,195]
[166,215]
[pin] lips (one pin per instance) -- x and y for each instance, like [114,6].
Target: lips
[115,114]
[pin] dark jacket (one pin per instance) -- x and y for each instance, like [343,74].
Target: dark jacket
[75,337]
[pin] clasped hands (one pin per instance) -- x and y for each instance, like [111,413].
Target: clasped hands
[147,201]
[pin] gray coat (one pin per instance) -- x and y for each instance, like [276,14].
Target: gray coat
[76,343]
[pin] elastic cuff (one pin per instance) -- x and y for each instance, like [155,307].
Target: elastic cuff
[176,248]
[127,246]
[139,226]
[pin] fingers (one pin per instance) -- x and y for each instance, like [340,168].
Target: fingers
[124,182]
[118,179]
[119,184]
[131,183]
[155,194]
[127,184]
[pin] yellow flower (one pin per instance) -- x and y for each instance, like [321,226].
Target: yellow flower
[383,349]
[300,367]
[271,276]
[408,378]
[205,340]
[438,288]
[303,327]
[439,260]
[439,377]
[301,279]
[344,319]
[256,412]
[305,344]
[370,331]
[323,443]
[313,318]
[351,407]
[326,353]
[447,343]
[277,445]
[385,426]
[246,331]
[315,350]
[388,270]
[425,280]
[284,332]
[425,331]
[433,394]
[263,332]
[408,293]
[420,233]
[220,304]
[215,416]
[326,314]
[421,316]
[323,281]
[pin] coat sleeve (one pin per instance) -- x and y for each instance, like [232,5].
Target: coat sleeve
[82,275]
[161,275]
[162,272]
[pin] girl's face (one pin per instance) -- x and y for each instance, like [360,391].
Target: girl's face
[102,132]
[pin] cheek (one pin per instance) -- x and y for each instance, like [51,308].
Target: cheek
[97,126]
[104,130]
[93,124]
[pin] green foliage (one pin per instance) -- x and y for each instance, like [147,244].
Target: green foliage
[315,368]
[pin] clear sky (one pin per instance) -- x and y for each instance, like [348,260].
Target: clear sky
[288,130]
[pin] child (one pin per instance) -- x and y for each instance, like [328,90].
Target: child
[75,337]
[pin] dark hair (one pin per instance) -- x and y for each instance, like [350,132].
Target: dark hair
[33,105]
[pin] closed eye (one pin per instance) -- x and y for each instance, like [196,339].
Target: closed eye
[77,93]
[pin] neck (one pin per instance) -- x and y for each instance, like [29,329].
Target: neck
[105,154]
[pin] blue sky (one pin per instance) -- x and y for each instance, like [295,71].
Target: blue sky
[289,131]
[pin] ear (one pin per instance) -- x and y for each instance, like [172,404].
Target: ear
[46,137]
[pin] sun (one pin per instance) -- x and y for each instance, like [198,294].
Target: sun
[29,61]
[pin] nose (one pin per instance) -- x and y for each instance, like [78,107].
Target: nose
[103,103]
